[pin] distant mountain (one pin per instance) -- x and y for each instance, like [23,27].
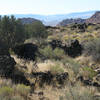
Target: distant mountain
[55,19]
[95,18]
[28,20]
[71,21]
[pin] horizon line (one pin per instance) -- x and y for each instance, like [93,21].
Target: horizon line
[48,14]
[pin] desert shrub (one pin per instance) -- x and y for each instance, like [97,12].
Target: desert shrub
[5,82]
[11,98]
[57,68]
[90,28]
[22,89]
[78,92]
[51,37]
[49,53]
[58,53]
[10,91]
[89,72]
[71,63]
[16,98]
[92,48]
[6,91]
[68,37]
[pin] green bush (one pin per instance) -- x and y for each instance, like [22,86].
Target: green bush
[16,98]
[11,31]
[36,30]
[89,71]
[57,68]
[71,63]
[17,92]
[77,92]
[11,98]
[6,91]
[58,53]
[92,48]
[49,53]
[22,89]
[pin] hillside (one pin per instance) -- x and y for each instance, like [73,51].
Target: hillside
[71,21]
[49,63]
[28,20]
[70,70]
[95,18]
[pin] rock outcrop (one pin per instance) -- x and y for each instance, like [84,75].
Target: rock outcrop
[26,51]
[74,49]
[95,19]
[50,79]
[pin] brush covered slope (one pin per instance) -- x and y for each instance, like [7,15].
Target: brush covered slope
[54,64]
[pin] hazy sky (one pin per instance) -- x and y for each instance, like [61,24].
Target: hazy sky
[46,7]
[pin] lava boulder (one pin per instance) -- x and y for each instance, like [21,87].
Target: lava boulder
[27,51]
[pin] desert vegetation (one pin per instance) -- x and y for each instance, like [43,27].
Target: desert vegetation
[49,63]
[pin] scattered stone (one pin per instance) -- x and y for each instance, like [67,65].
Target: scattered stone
[88,82]
[61,77]
[48,78]
[40,93]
